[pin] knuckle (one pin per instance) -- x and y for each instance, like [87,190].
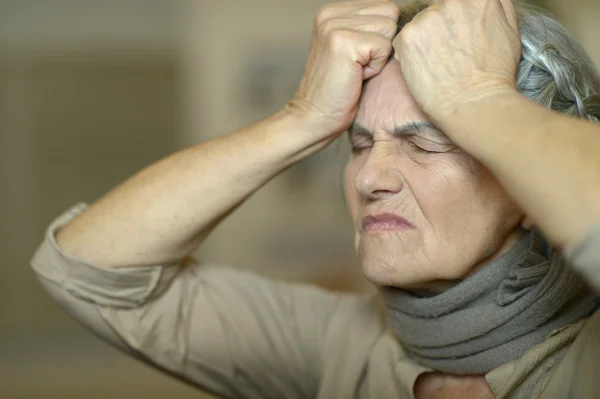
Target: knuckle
[326,28]
[384,50]
[325,13]
[397,41]
[408,35]
[387,46]
[452,3]
[339,41]
[392,10]
[389,28]
[385,8]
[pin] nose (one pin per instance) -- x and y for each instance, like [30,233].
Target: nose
[379,178]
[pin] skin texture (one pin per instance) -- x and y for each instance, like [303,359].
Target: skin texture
[445,54]
[547,161]
[461,215]
[164,212]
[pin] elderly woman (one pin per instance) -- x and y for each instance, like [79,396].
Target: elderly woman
[474,187]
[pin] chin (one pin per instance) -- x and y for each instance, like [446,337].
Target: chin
[407,278]
[392,259]
[385,273]
[406,270]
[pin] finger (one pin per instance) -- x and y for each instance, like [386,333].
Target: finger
[375,51]
[396,47]
[409,36]
[370,51]
[351,8]
[510,11]
[423,14]
[381,8]
[340,9]
[383,26]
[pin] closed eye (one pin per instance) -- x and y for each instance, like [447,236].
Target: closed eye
[422,150]
[360,148]
[360,142]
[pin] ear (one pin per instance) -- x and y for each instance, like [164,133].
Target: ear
[527,223]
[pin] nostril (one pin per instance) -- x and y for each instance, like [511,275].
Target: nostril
[378,179]
[378,192]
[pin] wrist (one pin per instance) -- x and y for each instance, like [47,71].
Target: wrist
[482,118]
[286,137]
[473,103]
[308,119]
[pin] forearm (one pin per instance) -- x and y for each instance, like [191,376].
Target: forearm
[164,212]
[548,162]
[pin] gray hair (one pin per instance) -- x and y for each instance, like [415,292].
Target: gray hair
[555,71]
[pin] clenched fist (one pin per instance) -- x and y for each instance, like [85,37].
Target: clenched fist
[352,41]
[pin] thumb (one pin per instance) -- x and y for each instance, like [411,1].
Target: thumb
[379,51]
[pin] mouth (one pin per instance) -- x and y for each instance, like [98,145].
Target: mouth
[384,222]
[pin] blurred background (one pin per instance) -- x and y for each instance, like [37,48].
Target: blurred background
[92,91]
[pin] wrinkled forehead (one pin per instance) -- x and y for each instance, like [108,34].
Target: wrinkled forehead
[386,101]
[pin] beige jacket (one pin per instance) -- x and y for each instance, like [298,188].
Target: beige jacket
[241,336]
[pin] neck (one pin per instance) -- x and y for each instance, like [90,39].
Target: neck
[494,316]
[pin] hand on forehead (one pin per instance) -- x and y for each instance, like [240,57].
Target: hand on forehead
[445,53]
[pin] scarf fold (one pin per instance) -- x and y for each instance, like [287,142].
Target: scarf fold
[493,316]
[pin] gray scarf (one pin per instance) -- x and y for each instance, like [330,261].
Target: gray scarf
[493,316]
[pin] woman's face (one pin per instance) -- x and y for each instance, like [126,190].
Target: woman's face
[424,212]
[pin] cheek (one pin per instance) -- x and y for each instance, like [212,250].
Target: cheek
[444,191]
[352,195]
[495,198]
[462,193]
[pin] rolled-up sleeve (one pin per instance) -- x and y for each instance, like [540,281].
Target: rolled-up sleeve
[232,333]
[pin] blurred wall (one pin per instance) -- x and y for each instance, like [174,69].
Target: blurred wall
[581,18]
[88,95]
[91,91]
[241,62]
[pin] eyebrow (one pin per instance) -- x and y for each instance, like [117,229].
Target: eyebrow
[408,129]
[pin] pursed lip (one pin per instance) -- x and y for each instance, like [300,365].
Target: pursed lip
[384,221]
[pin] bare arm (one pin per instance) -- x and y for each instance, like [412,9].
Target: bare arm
[549,162]
[228,332]
[164,212]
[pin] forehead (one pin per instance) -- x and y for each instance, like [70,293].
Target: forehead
[386,101]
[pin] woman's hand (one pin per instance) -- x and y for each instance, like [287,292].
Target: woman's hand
[459,51]
[352,41]
[165,211]
[460,59]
